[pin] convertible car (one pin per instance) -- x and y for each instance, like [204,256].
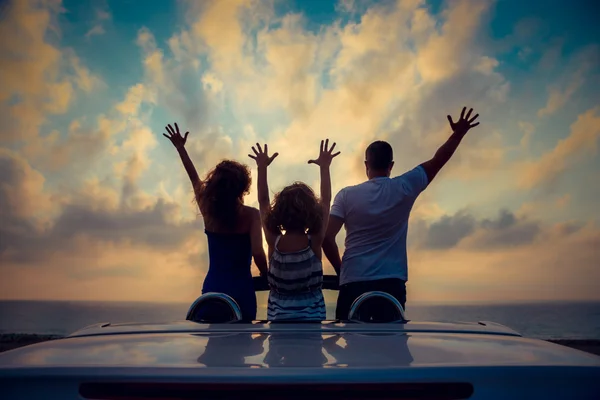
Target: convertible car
[375,353]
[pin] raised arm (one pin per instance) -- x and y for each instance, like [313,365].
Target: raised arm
[326,155]
[262,162]
[330,247]
[179,142]
[256,239]
[445,152]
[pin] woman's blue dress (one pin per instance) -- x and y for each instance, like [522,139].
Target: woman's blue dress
[229,270]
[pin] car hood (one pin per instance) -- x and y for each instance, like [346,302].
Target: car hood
[289,349]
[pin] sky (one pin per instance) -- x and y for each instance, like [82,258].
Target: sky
[95,204]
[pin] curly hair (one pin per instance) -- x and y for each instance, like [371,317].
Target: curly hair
[295,208]
[222,192]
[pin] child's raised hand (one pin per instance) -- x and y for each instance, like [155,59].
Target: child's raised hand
[326,155]
[262,157]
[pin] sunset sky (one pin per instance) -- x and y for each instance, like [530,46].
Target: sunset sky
[94,202]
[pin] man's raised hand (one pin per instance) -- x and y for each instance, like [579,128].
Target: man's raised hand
[463,125]
[326,155]
[175,137]
[262,157]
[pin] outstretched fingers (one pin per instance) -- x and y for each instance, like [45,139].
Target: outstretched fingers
[462,113]
[332,147]
[474,118]
[474,125]
[450,120]
[469,113]
[336,154]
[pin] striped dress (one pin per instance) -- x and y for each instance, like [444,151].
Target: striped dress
[296,281]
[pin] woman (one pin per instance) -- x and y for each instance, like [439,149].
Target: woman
[233,230]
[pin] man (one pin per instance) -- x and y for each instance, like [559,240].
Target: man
[375,214]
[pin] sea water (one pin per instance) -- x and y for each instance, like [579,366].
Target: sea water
[547,320]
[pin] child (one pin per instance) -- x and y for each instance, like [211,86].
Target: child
[295,269]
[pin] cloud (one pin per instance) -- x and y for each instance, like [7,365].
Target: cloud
[505,231]
[562,264]
[35,80]
[22,187]
[449,231]
[90,236]
[102,16]
[528,129]
[581,64]
[559,98]
[358,81]
[582,140]
[98,204]
[466,231]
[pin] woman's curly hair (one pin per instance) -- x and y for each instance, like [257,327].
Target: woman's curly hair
[295,208]
[222,192]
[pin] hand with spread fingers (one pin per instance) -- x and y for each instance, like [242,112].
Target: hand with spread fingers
[326,155]
[175,136]
[262,157]
[463,125]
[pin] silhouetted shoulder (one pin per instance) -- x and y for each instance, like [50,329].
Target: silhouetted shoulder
[251,213]
[413,182]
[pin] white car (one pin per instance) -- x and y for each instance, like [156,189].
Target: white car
[357,358]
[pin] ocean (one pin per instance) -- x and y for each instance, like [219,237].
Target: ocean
[566,320]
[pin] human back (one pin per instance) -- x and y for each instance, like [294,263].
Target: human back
[228,227]
[294,226]
[233,230]
[295,268]
[230,261]
[376,216]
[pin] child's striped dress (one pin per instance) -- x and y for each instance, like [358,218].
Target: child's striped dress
[296,281]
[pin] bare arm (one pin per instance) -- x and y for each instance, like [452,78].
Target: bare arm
[325,196]
[324,161]
[445,152]
[264,204]
[191,171]
[179,142]
[256,239]
[330,247]
[263,161]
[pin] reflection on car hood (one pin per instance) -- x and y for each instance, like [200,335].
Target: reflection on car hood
[293,348]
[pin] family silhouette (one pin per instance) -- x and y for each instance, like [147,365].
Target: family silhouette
[300,227]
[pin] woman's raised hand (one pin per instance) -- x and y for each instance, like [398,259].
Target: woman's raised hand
[262,157]
[175,137]
[326,154]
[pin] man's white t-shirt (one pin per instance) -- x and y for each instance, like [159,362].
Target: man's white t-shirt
[375,215]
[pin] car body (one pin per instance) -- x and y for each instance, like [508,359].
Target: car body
[492,360]
[349,359]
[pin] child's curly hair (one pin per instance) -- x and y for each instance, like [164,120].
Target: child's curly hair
[222,192]
[295,208]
